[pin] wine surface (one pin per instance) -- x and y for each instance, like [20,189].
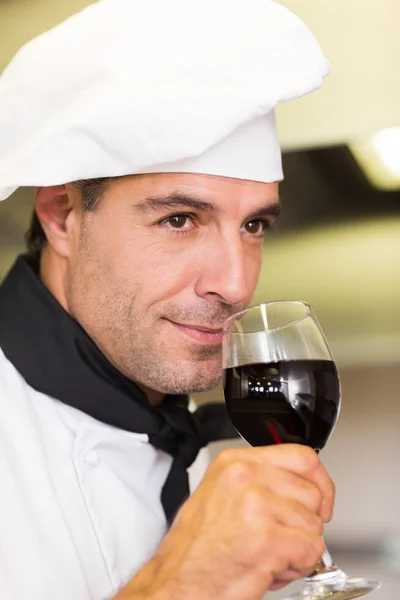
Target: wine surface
[284,402]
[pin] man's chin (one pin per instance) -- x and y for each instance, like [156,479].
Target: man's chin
[205,387]
[193,383]
[177,372]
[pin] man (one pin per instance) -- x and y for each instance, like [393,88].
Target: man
[148,133]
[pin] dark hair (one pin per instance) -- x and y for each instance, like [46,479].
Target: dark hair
[91,191]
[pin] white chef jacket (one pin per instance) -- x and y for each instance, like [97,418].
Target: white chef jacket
[80,507]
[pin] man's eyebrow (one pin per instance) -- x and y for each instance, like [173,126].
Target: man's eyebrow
[177,200]
[272,210]
[173,201]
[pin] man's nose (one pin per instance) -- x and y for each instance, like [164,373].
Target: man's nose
[224,276]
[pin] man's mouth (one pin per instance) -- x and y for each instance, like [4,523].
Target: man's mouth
[200,333]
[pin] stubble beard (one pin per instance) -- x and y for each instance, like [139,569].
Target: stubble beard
[155,367]
[136,354]
[200,371]
[110,319]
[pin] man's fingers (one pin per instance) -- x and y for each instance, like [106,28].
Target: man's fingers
[285,578]
[294,487]
[299,461]
[289,512]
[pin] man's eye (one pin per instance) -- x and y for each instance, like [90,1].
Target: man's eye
[257,227]
[178,221]
[182,222]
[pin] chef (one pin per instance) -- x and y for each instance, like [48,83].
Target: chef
[147,131]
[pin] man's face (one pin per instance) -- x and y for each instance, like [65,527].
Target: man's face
[160,264]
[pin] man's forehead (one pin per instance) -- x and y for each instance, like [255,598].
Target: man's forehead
[213,190]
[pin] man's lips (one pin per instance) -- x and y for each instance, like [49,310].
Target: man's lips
[200,333]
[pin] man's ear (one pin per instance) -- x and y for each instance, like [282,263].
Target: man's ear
[59,208]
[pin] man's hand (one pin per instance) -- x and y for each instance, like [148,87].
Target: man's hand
[254,524]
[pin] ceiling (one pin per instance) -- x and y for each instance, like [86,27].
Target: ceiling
[338,244]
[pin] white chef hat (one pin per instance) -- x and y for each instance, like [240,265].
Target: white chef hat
[128,86]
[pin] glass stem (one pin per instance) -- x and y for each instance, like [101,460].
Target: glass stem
[325,569]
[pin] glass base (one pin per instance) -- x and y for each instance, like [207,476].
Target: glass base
[335,587]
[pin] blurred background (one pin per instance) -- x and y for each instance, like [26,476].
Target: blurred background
[337,247]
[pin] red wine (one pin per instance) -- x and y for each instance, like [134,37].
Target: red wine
[295,401]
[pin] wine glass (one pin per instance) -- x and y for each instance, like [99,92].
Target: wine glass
[281,386]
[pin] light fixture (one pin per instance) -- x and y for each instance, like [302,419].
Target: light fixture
[379,158]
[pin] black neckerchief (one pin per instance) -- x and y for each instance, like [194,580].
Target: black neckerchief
[55,356]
